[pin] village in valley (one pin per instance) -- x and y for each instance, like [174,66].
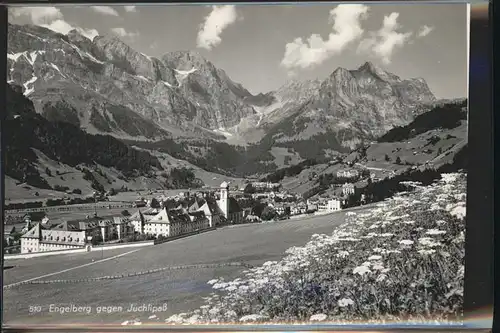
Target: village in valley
[156,216]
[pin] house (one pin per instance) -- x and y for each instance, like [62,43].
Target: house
[348,173]
[158,224]
[69,234]
[322,206]
[312,207]
[211,210]
[175,222]
[279,208]
[139,203]
[265,185]
[140,217]
[333,205]
[348,189]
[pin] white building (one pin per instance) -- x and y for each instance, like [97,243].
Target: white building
[74,234]
[266,185]
[347,173]
[175,222]
[348,189]
[333,205]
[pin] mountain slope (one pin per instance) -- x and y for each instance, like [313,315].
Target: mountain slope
[33,141]
[438,143]
[110,85]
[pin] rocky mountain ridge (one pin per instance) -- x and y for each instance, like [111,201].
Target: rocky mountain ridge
[352,105]
[160,96]
[104,86]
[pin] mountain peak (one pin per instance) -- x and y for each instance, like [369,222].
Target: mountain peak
[75,35]
[369,67]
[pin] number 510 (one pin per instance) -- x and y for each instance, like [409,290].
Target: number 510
[35,308]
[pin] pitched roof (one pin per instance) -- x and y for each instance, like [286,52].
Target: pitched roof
[161,217]
[179,216]
[35,232]
[194,207]
[234,206]
[210,207]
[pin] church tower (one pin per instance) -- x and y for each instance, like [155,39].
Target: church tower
[224,199]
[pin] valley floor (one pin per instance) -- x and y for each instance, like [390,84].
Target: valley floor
[182,289]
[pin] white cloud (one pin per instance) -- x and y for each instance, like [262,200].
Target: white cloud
[383,42]
[219,19]
[105,10]
[124,33]
[424,31]
[64,27]
[38,15]
[346,26]
[130,9]
[51,18]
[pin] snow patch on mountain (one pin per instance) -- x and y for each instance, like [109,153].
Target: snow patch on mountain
[57,69]
[83,54]
[28,90]
[223,131]
[15,56]
[182,75]
[167,84]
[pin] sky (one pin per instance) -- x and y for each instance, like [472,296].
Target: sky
[264,46]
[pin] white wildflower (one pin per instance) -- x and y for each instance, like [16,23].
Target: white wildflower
[449,177]
[435,232]
[429,242]
[231,288]
[214,311]
[426,252]
[375,257]
[440,222]
[378,266]
[343,254]
[345,302]
[318,317]
[252,317]
[459,212]
[406,242]
[361,270]
[174,319]
[381,277]
[193,319]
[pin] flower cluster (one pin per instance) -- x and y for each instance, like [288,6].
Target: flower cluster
[399,260]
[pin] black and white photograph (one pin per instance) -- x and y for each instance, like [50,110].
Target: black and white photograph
[235,164]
